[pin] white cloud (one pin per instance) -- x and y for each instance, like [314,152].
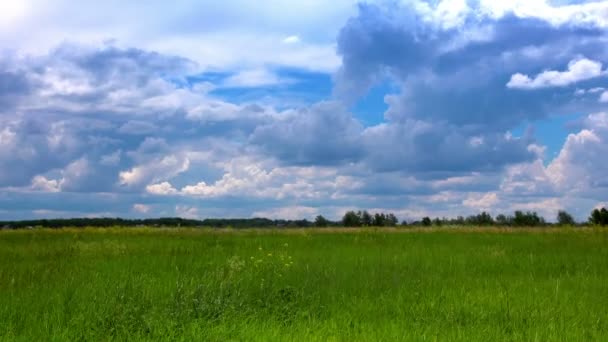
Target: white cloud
[141,208]
[254,78]
[546,208]
[604,97]
[164,188]
[41,183]
[12,12]
[481,201]
[289,213]
[156,170]
[199,33]
[291,40]
[594,13]
[187,212]
[578,70]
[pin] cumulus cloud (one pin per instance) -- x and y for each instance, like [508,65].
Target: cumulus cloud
[164,188]
[450,74]
[141,208]
[254,78]
[324,134]
[288,213]
[578,70]
[481,201]
[577,168]
[120,124]
[187,212]
[291,40]
[41,183]
[159,169]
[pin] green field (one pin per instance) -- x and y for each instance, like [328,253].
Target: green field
[303,285]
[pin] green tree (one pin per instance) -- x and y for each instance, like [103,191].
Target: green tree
[366,218]
[599,217]
[391,220]
[502,220]
[564,218]
[321,221]
[351,219]
[426,221]
[379,220]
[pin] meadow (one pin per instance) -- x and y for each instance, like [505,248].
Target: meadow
[304,285]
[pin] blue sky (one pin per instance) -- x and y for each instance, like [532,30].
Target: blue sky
[294,109]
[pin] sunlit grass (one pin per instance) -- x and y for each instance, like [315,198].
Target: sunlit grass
[375,284]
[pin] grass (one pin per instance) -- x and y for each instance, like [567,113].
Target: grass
[304,285]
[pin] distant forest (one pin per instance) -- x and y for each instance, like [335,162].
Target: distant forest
[598,217]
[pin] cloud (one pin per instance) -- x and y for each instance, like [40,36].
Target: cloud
[604,97]
[138,128]
[41,183]
[253,78]
[196,30]
[141,208]
[187,212]
[481,201]
[201,113]
[159,169]
[420,146]
[321,135]
[291,40]
[288,213]
[450,74]
[164,188]
[578,70]
[577,169]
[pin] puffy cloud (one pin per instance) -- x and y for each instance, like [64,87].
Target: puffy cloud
[41,183]
[141,208]
[481,201]
[577,168]
[156,170]
[324,134]
[197,30]
[119,124]
[451,74]
[419,146]
[253,78]
[187,212]
[138,127]
[111,159]
[578,70]
[288,213]
[164,188]
[291,40]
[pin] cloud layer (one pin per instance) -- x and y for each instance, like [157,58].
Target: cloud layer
[146,129]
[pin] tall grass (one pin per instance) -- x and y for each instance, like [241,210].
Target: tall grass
[304,285]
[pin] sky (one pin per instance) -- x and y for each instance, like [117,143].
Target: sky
[292,109]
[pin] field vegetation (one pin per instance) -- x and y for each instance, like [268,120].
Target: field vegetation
[304,284]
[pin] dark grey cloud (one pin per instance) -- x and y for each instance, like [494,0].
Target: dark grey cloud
[325,134]
[458,75]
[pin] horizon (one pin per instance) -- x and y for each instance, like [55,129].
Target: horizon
[288,111]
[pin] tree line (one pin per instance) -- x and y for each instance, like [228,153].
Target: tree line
[361,218]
